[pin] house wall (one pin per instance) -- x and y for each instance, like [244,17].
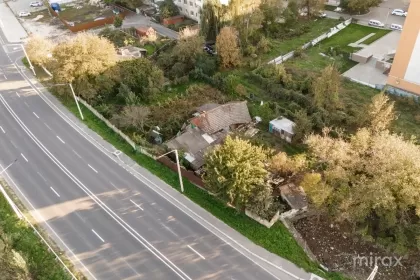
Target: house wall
[277,131]
[190,8]
[406,66]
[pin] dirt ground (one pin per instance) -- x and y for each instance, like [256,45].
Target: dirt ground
[340,251]
[41,23]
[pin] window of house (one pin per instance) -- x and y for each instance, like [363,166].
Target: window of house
[192,13]
[191,3]
[185,1]
[282,132]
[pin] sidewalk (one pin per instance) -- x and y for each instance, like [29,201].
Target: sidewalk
[10,25]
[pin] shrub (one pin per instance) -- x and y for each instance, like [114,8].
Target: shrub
[264,45]
[250,50]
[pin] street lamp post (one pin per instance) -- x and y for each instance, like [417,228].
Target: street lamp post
[74,96]
[7,167]
[29,61]
[178,167]
[77,102]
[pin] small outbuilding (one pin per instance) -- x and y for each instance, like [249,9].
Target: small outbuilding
[283,128]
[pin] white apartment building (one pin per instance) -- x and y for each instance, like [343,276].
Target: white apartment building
[192,8]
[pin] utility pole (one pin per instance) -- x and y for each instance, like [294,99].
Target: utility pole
[77,102]
[29,61]
[178,167]
[7,167]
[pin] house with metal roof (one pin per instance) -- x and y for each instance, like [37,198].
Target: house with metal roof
[209,126]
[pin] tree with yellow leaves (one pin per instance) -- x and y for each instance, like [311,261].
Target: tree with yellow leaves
[235,171]
[370,180]
[84,54]
[227,47]
[39,50]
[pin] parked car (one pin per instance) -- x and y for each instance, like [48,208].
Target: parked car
[377,23]
[399,12]
[338,10]
[36,4]
[322,14]
[24,14]
[396,26]
[209,48]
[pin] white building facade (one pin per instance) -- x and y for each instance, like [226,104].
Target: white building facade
[192,8]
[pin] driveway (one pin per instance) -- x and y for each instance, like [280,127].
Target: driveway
[23,5]
[381,13]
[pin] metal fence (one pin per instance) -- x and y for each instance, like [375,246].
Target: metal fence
[333,31]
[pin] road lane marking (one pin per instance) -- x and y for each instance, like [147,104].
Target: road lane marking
[170,230]
[26,104]
[138,206]
[98,201]
[35,115]
[201,256]
[54,191]
[17,94]
[24,157]
[98,236]
[61,140]
[13,144]
[47,126]
[116,187]
[92,168]
[2,129]
[5,76]
[40,175]
[76,154]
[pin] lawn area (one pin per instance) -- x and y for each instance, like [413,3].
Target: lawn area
[281,47]
[277,240]
[312,59]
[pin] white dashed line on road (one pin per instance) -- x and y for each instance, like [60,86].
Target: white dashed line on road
[61,140]
[40,175]
[5,77]
[35,115]
[54,191]
[47,126]
[92,168]
[138,206]
[26,104]
[24,157]
[2,129]
[116,187]
[76,154]
[170,230]
[98,236]
[17,94]
[201,256]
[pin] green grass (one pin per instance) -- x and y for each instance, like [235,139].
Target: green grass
[40,262]
[281,47]
[150,48]
[277,240]
[312,59]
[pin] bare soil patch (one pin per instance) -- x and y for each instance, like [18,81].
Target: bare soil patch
[339,250]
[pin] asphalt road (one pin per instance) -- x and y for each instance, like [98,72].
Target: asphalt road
[112,224]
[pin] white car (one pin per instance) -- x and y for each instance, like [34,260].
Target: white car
[24,14]
[399,12]
[36,4]
[322,14]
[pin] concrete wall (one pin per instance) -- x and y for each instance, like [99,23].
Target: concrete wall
[360,58]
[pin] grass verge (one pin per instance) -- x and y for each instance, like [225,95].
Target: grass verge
[282,47]
[277,240]
[41,263]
